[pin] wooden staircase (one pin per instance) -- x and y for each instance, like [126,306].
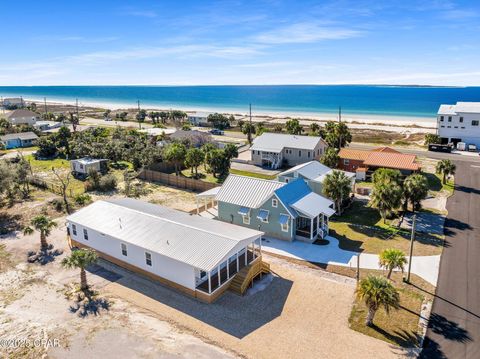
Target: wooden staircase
[242,279]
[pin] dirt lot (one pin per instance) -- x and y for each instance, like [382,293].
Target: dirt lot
[302,313]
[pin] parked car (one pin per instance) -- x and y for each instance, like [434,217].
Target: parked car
[461,146]
[472,148]
[217,132]
[440,148]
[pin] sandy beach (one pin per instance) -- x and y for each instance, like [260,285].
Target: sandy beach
[398,124]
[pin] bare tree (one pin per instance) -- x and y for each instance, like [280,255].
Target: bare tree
[64,182]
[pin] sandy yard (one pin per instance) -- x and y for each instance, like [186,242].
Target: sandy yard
[34,308]
[301,313]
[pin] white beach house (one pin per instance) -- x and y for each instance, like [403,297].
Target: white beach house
[196,255]
[275,150]
[459,123]
[23,117]
[198,118]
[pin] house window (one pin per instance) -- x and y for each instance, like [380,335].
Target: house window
[284,227]
[299,153]
[449,118]
[246,219]
[461,119]
[202,274]
[463,127]
[148,259]
[441,118]
[475,123]
[284,220]
[85,234]
[443,126]
[286,180]
[274,202]
[124,249]
[74,229]
[308,154]
[346,161]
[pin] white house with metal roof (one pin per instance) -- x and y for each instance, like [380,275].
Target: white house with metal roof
[274,150]
[282,210]
[199,118]
[314,173]
[459,123]
[196,255]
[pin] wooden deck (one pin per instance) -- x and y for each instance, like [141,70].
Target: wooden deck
[223,272]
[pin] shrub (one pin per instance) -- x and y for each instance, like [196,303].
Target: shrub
[83,199]
[57,204]
[108,183]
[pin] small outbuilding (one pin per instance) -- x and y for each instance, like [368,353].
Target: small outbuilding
[195,255]
[83,166]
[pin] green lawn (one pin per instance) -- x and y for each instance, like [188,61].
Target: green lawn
[23,149]
[252,174]
[361,229]
[400,327]
[435,183]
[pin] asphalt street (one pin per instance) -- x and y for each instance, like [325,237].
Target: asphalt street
[454,326]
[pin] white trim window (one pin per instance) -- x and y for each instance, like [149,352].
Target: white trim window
[148,259]
[246,219]
[284,222]
[263,215]
[74,229]
[274,202]
[123,246]
[85,234]
[346,161]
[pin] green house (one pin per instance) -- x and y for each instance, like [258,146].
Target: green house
[282,210]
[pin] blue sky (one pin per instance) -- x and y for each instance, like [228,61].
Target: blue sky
[103,42]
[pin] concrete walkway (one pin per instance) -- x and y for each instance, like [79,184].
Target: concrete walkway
[426,267]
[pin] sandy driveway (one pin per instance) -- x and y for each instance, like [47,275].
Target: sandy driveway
[302,314]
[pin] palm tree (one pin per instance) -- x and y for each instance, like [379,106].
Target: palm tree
[446,168]
[391,259]
[337,186]
[81,258]
[377,292]
[248,129]
[330,158]
[386,197]
[415,189]
[44,225]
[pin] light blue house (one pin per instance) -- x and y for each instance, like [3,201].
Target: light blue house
[17,140]
[285,211]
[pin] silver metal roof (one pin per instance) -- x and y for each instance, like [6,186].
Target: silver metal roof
[200,242]
[276,142]
[247,191]
[20,136]
[313,204]
[460,107]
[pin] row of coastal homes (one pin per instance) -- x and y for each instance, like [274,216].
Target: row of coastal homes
[275,150]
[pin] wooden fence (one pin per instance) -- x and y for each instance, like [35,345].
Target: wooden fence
[48,185]
[176,181]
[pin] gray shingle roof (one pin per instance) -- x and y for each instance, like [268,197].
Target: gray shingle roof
[22,113]
[276,142]
[21,135]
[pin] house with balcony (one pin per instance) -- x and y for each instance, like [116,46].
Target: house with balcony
[198,256]
[459,123]
[274,150]
[286,211]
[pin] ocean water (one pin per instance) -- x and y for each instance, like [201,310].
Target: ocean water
[286,99]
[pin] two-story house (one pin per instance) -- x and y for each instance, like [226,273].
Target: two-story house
[274,150]
[459,123]
[282,210]
[23,117]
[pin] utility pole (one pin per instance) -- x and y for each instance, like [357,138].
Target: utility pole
[358,267]
[138,104]
[45,104]
[3,105]
[76,106]
[339,121]
[412,239]
[250,113]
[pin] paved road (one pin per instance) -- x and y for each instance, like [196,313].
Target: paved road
[454,328]
[424,153]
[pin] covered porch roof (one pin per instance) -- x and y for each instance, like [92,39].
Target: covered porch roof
[211,193]
[313,204]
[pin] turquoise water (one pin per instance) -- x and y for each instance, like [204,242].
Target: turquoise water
[308,99]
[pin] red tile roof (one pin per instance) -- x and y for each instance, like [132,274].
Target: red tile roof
[382,157]
[350,154]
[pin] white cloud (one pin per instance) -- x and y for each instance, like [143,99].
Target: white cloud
[305,33]
[140,13]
